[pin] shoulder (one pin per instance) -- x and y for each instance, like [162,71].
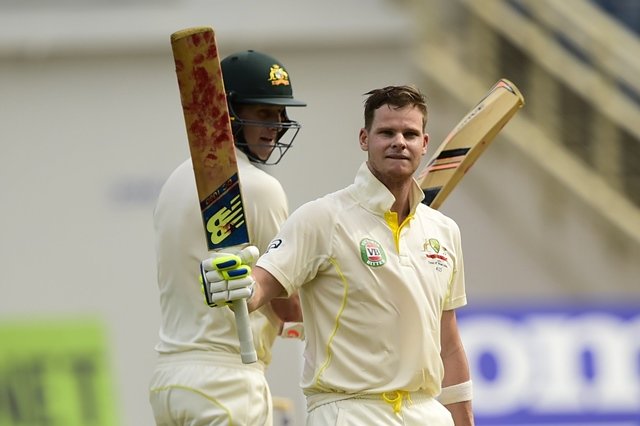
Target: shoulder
[437,217]
[185,169]
[259,186]
[324,208]
[180,183]
[252,177]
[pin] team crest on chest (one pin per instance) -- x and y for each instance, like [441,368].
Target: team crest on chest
[372,253]
[435,253]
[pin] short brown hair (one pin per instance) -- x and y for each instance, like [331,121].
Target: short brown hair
[396,96]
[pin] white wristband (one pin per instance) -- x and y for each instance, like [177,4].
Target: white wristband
[456,393]
[292,330]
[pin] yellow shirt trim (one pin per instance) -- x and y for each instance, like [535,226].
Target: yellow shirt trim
[329,353]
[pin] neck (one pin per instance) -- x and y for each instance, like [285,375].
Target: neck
[401,190]
[401,206]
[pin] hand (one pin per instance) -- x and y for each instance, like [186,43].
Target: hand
[226,277]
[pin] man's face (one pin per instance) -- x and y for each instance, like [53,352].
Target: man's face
[395,143]
[260,139]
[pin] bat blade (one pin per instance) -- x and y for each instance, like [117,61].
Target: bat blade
[212,149]
[467,141]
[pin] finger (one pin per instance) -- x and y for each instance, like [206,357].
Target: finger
[221,261]
[236,273]
[249,254]
[214,276]
[241,283]
[208,265]
[220,298]
[241,293]
[218,287]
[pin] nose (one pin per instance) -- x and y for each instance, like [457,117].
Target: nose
[276,119]
[399,141]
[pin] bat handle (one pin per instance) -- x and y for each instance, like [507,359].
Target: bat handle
[247,351]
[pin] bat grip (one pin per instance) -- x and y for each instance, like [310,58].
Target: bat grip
[247,351]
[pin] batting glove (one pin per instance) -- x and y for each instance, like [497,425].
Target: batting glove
[226,277]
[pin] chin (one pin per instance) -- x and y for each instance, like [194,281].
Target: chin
[401,169]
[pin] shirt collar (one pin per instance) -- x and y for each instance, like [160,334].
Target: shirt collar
[372,193]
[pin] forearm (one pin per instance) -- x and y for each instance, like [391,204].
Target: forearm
[457,388]
[456,367]
[265,289]
[462,413]
[287,309]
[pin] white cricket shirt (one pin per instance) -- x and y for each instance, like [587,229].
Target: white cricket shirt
[372,291]
[187,323]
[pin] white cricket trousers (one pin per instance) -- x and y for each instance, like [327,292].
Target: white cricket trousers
[209,389]
[420,411]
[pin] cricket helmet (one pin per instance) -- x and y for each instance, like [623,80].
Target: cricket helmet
[251,77]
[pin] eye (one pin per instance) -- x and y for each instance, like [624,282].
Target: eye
[271,114]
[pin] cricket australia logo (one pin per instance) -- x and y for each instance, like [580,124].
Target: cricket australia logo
[372,253]
[278,76]
[436,254]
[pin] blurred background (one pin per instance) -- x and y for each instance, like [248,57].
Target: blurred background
[91,126]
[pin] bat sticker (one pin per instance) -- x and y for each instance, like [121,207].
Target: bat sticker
[224,216]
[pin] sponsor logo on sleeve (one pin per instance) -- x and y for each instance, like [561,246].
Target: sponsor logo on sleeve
[274,245]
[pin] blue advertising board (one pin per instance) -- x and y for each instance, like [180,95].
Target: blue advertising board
[554,365]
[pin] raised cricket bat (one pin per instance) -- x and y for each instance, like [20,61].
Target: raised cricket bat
[211,144]
[470,138]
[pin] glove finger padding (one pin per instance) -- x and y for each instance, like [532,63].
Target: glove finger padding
[212,276]
[223,287]
[220,299]
[246,282]
[226,292]
[221,262]
[231,274]
[232,259]
[213,285]
[226,277]
[217,286]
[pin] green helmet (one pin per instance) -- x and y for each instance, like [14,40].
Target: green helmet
[252,77]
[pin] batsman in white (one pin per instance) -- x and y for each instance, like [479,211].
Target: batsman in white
[379,276]
[199,378]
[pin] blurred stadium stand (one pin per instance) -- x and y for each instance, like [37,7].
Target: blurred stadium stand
[578,68]
[626,11]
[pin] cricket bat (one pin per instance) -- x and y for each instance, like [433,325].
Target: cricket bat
[213,155]
[470,138]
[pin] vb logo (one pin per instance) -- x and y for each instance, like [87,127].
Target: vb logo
[223,222]
[372,253]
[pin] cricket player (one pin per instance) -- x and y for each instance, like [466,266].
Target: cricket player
[379,275]
[199,378]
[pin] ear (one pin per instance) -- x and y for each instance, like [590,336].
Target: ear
[364,139]
[425,143]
